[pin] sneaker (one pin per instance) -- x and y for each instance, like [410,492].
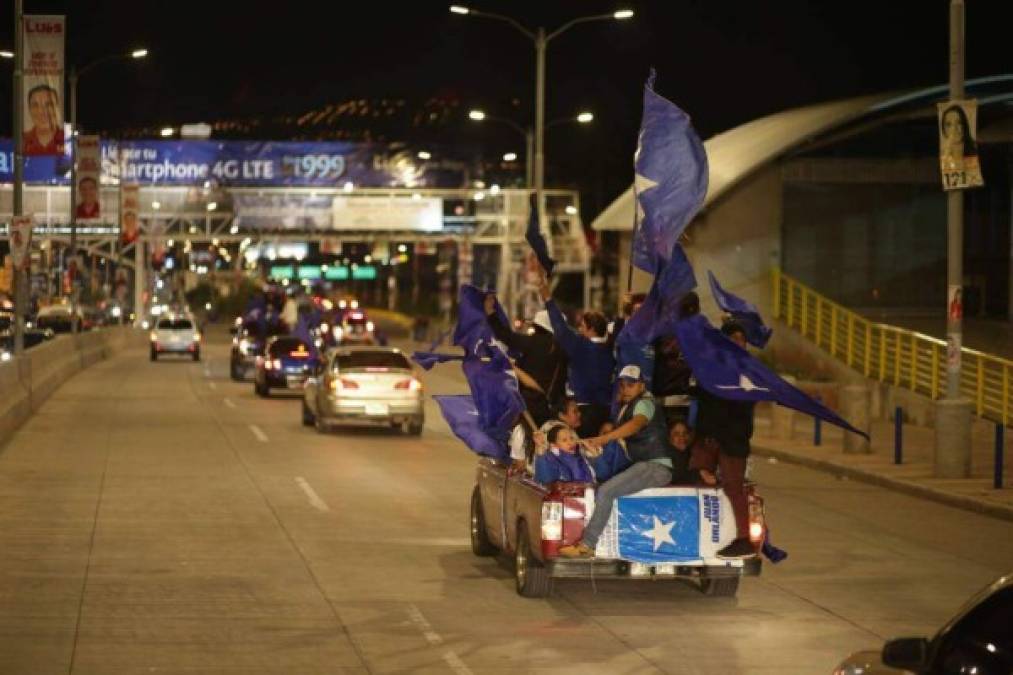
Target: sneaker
[740,548]
[578,550]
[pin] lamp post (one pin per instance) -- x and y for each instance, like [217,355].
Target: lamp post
[480,116]
[541,40]
[17,280]
[72,78]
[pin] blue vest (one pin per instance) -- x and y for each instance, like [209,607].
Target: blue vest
[649,443]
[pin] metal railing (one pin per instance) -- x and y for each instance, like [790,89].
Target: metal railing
[896,356]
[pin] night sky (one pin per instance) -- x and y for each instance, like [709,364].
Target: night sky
[724,61]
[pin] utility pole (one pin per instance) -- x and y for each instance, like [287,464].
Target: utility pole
[18,279]
[953,413]
[72,80]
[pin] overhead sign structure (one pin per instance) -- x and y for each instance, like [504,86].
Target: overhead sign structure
[89,176]
[388,213]
[21,241]
[958,147]
[43,84]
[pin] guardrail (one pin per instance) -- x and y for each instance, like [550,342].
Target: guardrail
[892,355]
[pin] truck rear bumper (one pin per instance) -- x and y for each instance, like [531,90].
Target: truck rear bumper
[561,568]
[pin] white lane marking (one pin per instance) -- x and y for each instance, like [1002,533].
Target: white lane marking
[433,638]
[314,498]
[207,372]
[259,433]
[228,402]
[212,385]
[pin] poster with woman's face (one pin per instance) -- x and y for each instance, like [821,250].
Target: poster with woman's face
[958,148]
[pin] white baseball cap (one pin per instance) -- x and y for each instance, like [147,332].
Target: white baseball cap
[542,319]
[631,372]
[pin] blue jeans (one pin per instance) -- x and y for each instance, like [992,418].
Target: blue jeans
[640,476]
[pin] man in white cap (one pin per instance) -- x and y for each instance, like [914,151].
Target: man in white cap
[541,367]
[640,424]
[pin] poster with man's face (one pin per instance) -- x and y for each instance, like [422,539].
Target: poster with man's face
[89,170]
[43,84]
[958,147]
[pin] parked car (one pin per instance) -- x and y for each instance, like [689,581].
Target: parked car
[514,514]
[978,640]
[286,364]
[175,334]
[57,318]
[373,386]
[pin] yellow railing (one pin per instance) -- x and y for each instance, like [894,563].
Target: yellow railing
[893,355]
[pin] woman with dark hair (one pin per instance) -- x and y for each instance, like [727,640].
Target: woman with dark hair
[957,143]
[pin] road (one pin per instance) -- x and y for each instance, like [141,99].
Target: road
[159,518]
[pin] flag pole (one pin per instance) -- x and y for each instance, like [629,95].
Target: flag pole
[633,237]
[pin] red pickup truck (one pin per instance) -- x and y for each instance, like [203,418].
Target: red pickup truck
[510,512]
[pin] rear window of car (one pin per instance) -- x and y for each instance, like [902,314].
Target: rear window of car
[364,360]
[285,346]
[175,324]
[351,321]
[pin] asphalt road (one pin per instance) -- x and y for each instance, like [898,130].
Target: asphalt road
[159,518]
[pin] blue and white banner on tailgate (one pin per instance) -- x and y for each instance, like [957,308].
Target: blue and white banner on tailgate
[669,525]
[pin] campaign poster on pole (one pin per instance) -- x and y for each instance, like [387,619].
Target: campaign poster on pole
[958,146]
[21,240]
[130,203]
[89,171]
[43,84]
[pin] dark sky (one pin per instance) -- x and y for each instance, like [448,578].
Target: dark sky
[724,61]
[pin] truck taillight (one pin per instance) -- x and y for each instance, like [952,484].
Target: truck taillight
[756,519]
[552,521]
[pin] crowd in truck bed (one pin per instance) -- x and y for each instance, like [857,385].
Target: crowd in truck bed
[596,412]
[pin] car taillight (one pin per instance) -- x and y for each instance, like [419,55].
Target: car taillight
[343,383]
[552,521]
[409,385]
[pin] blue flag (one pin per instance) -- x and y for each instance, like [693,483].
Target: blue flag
[671,179]
[744,313]
[536,240]
[462,416]
[490,375]
[429,359]
[728,371]
[673,280]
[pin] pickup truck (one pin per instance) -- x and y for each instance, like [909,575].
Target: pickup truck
[512,513]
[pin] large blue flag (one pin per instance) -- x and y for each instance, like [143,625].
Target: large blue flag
[671,179]
[536,240]
[490,375]
[303,331]
[462,416]
[744,313]
[673,280]
[726,370]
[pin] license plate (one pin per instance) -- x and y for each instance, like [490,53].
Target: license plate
[376,408]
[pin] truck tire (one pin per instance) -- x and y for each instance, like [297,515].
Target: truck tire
[720,587]
[480,543]
[416,426]
[533,580]
[308,418]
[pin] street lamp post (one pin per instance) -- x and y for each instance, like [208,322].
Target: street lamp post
[17,280]
[72,79]
[953,413]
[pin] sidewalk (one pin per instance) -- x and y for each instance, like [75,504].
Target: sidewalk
[914,476]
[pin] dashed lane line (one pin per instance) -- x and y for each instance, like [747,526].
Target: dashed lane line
[229,404]
[259,433]
[315,500]
[434,639]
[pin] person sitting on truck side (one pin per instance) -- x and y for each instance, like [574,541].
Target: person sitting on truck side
[641,424]
[563,461]
[724,429]
[606,461]
[590,358]
[680,440]
[541,359]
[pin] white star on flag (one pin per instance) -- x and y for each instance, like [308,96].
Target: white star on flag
[661,533]
[640,185]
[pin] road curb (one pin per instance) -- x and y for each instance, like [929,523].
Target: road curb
[907,487]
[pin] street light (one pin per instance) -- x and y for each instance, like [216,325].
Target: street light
[510,157]
[167,131]
[585,117]
[422,154]
[6,54]
[72,78]
[541,40]
[476,115]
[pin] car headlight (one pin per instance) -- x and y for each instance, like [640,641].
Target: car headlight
[6,356]
[145,325]
[244,346]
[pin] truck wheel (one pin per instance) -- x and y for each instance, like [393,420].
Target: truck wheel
[533,580]
[415,428]
[308,418]
[480,544]
[720,587]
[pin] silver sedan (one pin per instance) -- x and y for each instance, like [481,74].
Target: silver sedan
[371,386]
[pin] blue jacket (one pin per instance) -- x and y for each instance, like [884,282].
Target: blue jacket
[611,461]
[564,466]
[591,363]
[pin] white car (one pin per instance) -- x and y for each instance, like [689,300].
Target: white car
[175,335]
[372,386]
